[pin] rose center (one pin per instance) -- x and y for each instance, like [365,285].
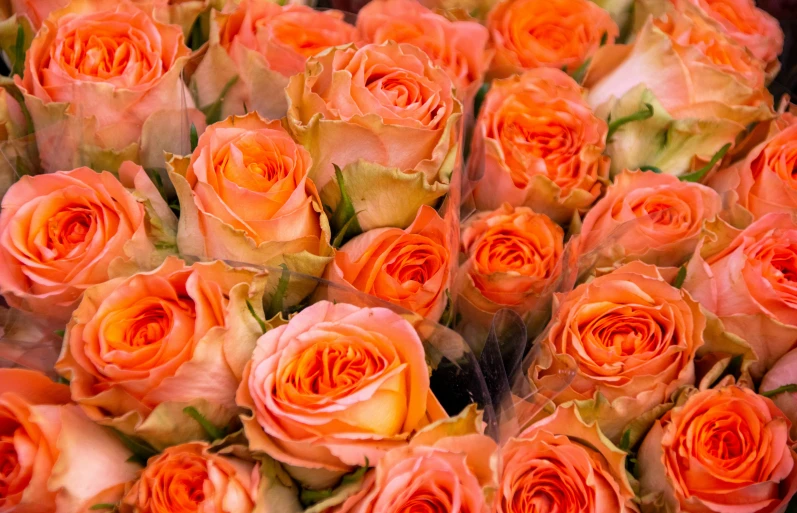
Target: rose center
[96,52]
[69,228]
[426,502]
[9,464]
[413,262]
[545,490]
[507,250]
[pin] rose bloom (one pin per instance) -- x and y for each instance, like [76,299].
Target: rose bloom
[445,469]
[189,477]
[459,47]
[764,182]
[631,338]
[725,449]
[563,34]
[563,464]
[751,285]
[13,141]
[749,26]
[514,256]
[53,458]
[140,349]
[387,118]
[335,387]
[647,216]
[539,145]
[257,45]
[245,196]
[102,84]
[410,268]
[64,232]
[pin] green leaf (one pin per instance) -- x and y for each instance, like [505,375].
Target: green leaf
[337,242]
[580,72]
[260,321]
[481,94]
[18,68]
[700,173]
[60,333]
[277,300]
[310,497]
[101,506]
[141,450]
[625,443]
[194,138]
[344,218]
[213,432]
[212,112]
[641,115]
[780,390]
[62,380]
[604,38]
[356,475]
[650,168]
[680,277]
[196,38]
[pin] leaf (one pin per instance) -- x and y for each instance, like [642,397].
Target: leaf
[260,321]
[196,38]
[213,432]
[344,218]
[680,277]
[212,112]
[194,138]
[310,497]
[650,168]
[780,390]
[337,242]
[700,173]
[625,443]
[277,300]
[62,380]
[641,115]
[479,98]
[18,68]
[580,72]
[141,450]
[60,333]
[103,505]
[356,475]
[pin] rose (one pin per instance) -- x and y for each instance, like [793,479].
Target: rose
[749,26]
[514,256]
[780,381]
[763,181]
[410,268]
[189,477]
[335,387]
[540,146]
[52,458]
[685,125]
[256,46]
[647,216]
[459,47]
[13,141]
[245,196]
[64,232]
[750,286]
[631,339]
[139,350]
[126,106]
[566,464]
[445,469]
[724,448]
[387,118]
[561,34]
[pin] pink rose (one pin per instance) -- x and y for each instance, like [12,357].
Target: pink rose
[783,374]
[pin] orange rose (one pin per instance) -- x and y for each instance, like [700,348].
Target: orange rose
[751,285]
[245,196]
[542,146]
[647,216]
[64,232]
[388,118]
[410,268]
[139,350]
[725,449]
[103,85]
[561,34]
[749,26]
[335,387]
[563,464]
[189,477]
[631,338]
[764,181]
[514,258]
[255,46]
[52,458]
[459,47]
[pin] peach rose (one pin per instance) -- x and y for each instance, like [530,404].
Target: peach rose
[725,449]
[189,477]
[102,84]
[751,286]
[388,119]
[459,47]
[631,338]
[139,350]
[749,26]
[53,458]
[255,46]
[410,268]
[514,257]
[764,181]
[783,374]
[647,216]
[245,196]
[539,145]
[563,34]
[15,143]
[335,387]
[445,469]
[64,232]
[563,464]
